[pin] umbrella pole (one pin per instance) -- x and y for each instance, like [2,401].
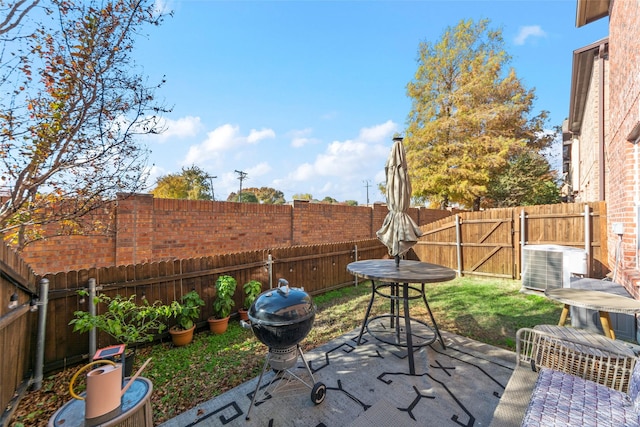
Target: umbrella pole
[397,257]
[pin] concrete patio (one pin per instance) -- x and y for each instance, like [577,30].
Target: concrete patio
[369,385]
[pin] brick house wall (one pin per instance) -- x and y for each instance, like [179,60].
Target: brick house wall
[584,130]
[623,194]
[587,168]
[149,230]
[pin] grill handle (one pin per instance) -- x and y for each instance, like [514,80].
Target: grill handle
[283,286]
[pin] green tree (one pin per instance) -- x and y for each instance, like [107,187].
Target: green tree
[470,115]
[527,180]
[192,183]
[329,200]
[382,188]
[267,195]
[248,197]
[351,202]
[245,197]
[305,196]
[71,102]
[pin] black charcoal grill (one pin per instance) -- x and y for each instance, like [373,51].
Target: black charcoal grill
[280,318]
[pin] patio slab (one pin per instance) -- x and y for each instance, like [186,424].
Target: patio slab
[369,385]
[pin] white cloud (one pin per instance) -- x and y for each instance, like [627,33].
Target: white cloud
[339,156]
[220,139]
[300,142]
[346,159]
[381,177]
[528,31]
[226,183]
[299,138]
[223,138]
[328,188]
[154,172]
[257,135]
[163,6]
[329,115]
[259,170]
[339,170]
[304,172]
[379,132]
[184,127]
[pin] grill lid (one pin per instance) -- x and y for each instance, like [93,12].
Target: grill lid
[282,306]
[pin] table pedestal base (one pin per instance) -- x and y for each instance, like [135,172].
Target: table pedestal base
[382,328]
[398,330]
[394,281]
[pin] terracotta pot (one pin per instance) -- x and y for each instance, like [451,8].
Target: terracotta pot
[244,314]
[218,326]
[181,337]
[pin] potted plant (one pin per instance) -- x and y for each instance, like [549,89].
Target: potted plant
[223,304]
[251,291]
[186,312]
[125,321]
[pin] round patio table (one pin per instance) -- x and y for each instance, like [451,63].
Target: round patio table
[392,281]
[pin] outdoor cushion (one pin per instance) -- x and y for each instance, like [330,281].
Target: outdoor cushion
[561,399]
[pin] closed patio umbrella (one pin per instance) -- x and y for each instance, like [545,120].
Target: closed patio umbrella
[399,232]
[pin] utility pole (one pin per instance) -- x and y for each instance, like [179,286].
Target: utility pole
[241,176]
[366,182]
[211,178]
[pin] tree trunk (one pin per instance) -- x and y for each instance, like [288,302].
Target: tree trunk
[476,204]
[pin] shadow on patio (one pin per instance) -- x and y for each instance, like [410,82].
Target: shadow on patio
[370,385]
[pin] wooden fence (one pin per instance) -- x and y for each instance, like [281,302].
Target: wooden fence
[489,243]
[18,324]
[483,243]
[317,268]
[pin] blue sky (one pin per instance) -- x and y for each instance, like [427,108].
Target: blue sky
[305,96]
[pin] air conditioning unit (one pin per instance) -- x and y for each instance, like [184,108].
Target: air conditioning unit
[551,266]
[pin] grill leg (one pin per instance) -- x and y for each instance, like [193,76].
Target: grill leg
[306,365]
[255,393]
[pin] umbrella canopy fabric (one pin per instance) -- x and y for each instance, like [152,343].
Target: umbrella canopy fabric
[399,232]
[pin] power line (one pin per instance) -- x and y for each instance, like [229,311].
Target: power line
[241,176]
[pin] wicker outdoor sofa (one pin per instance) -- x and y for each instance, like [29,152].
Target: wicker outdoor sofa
[570,377]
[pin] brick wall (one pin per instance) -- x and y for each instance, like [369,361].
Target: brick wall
[149,229]
[624,114]
[589,154]
[67,252]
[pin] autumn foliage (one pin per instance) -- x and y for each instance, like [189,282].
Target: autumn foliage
[72,103]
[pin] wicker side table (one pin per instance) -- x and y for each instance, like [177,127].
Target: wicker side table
[578,352]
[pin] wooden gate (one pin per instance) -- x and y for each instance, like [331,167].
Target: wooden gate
[479,244]
[489,242]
